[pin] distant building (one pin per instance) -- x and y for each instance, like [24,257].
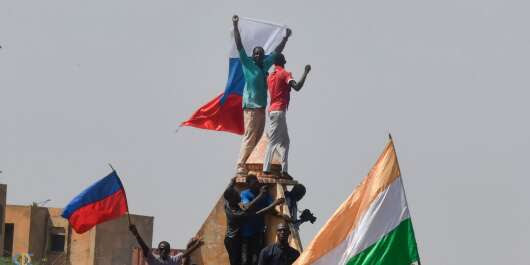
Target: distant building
[44,234]
[3,194]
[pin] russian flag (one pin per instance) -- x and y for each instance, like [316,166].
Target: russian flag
[103,201]
[225,112]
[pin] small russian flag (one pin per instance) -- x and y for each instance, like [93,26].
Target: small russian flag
[103,201]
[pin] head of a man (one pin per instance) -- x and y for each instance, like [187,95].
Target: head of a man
[297,192]
[258,54]
[283,233]
[253,183]
[163,249]
[280,60]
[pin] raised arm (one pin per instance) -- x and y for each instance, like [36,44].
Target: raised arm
[281,46]
[237,35]
[134,231]
[192,245]
[298,85]
[251,205]
[271,206]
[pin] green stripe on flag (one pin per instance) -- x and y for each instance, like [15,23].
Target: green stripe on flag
[396,248]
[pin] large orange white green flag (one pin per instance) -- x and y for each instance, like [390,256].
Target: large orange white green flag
[372,227]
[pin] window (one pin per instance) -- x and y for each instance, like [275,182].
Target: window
[57,239]
[8,239]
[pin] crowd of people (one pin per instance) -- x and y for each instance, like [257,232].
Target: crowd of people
[246,209]
[245,235]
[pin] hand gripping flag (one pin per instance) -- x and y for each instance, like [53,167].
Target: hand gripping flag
[373,226]
[103,201]
[225,112]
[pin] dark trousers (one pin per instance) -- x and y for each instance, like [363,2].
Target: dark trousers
[233,247]
[251,247]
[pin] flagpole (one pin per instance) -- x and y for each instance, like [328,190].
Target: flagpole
[128,215]
[402,185]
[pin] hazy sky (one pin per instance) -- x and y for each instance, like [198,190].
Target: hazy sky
[85,83]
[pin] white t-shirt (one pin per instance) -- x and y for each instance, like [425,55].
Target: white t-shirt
[153,259]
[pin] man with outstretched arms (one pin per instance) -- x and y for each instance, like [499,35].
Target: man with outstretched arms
[164,248]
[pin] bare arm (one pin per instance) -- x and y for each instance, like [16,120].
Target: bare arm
[298,85]
[192,246]
[281,46]
[251,205]
[271,206]
[237,35]
[145,248]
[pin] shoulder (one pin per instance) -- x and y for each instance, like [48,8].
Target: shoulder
[266,251]
[286,73]
[177,258]
[152,257]
[294,252]
[243,55]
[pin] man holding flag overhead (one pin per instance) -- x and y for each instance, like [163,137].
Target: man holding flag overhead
[255,70]
[225,111]
[103,201]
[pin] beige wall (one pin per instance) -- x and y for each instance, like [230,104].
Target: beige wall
[115,243]
[3,194]
[21,217]
[79,247]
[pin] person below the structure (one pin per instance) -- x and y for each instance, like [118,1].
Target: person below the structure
[255,71]
[164,249]
[279,253]
[280,83]
[236,216]
[253,229]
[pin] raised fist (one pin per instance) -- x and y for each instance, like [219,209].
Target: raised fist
[307,68]
[288,32]
[235,19]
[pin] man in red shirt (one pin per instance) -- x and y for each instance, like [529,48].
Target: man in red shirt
[280,83]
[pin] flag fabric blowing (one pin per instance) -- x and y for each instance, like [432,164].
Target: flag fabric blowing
[372,227]
[103,201]
[225,112]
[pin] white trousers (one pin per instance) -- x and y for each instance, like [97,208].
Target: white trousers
[278,140]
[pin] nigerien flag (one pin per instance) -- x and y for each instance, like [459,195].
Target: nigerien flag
[103,201]
[225,112]
[372,227]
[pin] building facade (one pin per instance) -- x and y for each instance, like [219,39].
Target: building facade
[3,195]
[48,238]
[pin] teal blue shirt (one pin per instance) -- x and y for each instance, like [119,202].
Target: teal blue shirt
[255,92]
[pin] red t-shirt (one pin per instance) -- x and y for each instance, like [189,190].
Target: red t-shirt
[279,89]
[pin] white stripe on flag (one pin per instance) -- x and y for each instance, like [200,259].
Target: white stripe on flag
[257,33]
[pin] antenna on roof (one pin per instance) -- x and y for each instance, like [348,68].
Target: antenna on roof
[42,203]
